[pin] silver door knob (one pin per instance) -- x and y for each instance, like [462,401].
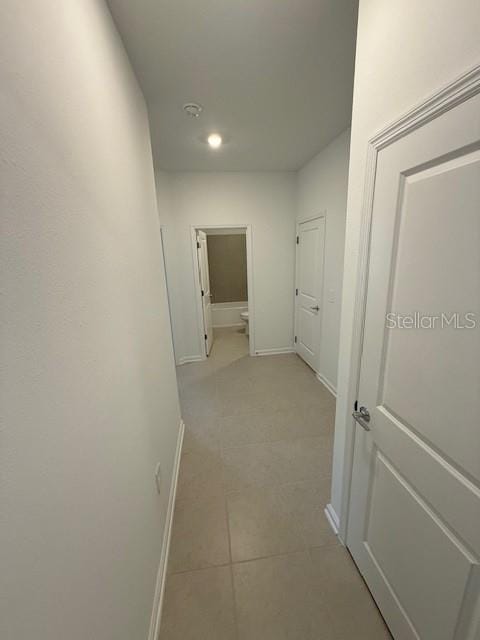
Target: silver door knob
[317,308]
[362,417]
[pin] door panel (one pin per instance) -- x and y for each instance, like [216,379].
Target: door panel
[202,254]
[310,259]
[306,331]
[309,242]
[414,521]
[420,363]
[421,551]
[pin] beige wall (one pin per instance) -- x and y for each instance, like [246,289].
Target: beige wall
[227,264]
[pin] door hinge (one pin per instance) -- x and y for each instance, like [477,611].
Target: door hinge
[206,337]
[198,245]
[295,340]
[296,292]
[298,240]
[203,293]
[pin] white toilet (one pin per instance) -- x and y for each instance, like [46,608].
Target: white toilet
[244,317]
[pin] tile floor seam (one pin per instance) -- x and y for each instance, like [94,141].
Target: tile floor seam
[225,501]
[250,444]
[248,603]
[260,487]
[335,543]
[305,548]
[212,566]
[284,554]
[235,606]
[293,439]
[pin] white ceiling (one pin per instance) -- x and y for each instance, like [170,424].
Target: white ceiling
[274,77]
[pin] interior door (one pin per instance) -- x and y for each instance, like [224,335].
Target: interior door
[202,253]
[414,520]
[310,261]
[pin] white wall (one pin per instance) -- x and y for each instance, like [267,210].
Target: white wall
[405,51]
[167,218]
[88,391]
[322,187]
[264,200]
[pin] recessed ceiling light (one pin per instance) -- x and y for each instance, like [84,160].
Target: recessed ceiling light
[193,109]
[214,140]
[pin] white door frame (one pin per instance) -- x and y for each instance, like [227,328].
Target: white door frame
[322,214]
[204,275]
[198,293]
[446,98]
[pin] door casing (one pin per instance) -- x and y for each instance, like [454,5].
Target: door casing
[204,273]
[198,292]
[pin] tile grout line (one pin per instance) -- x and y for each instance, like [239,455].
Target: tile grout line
[232,580]
[266,487]
[293,439]
[304,549]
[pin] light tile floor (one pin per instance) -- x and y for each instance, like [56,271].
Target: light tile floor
[252,555]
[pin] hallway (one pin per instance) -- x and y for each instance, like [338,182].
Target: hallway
[252,555]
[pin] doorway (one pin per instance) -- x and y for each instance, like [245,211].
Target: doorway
[222,262]
[309,289]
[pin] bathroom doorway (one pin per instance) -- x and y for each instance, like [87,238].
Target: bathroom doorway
[222,262]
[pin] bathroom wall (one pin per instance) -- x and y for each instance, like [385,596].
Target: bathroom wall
[267,202]
[322,187]
[227,264]
[87,382]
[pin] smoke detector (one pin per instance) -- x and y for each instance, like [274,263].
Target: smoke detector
[192,109]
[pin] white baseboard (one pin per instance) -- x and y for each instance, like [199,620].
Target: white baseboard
[274,352]
[332,518]
[187,359]
[162,568]
[326,383]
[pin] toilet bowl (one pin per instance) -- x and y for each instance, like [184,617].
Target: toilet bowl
[244,317]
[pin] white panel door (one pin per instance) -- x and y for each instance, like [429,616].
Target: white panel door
[310,261]
[202,253]
[414,521]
